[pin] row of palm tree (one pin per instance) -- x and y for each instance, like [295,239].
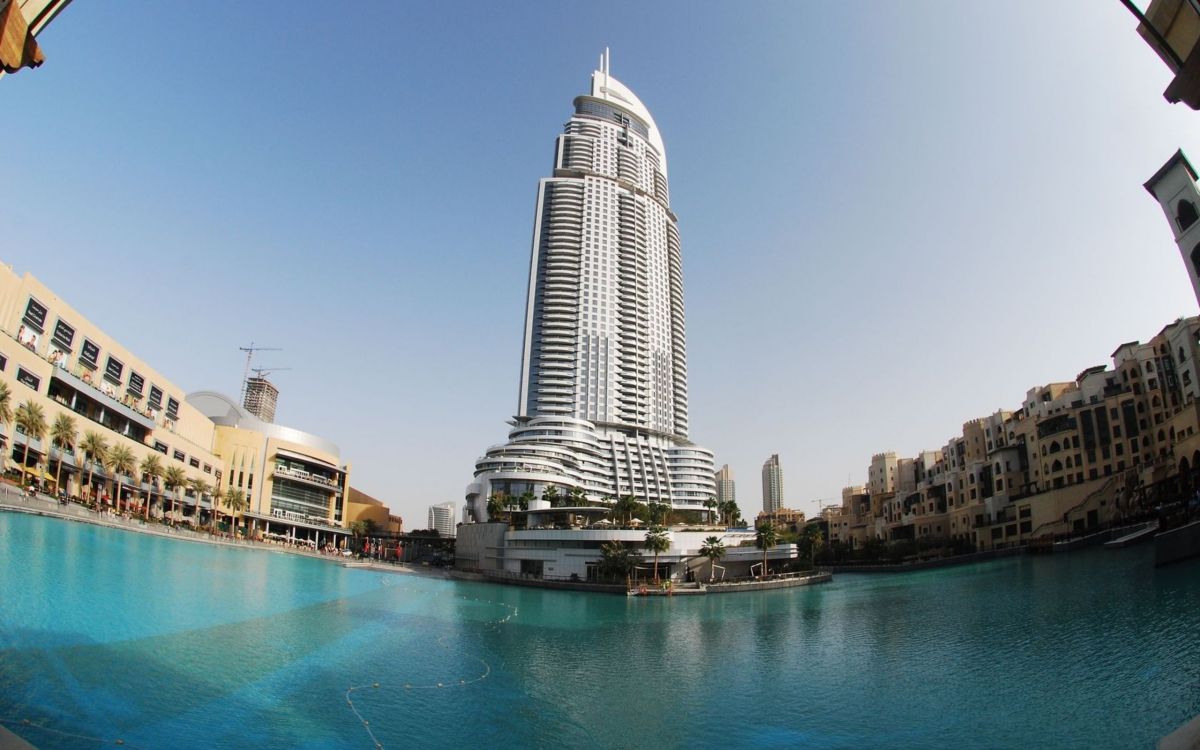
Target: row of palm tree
[119,460]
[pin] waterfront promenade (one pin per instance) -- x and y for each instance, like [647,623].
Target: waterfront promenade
[15,500]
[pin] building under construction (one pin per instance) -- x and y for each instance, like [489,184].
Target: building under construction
[260,399]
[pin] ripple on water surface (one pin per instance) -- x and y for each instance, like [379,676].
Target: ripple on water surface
[163,643]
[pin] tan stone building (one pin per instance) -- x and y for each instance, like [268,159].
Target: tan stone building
[1075,455]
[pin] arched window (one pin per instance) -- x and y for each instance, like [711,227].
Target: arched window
[1181,357]
[1054,448]
[1185,214]
[1056,466]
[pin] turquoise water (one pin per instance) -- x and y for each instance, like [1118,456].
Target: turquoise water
[106,634]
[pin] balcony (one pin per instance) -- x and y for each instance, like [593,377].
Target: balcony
[305,477]
[106,401]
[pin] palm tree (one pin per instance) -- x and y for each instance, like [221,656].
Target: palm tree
[765,538]
[217,495]
[710,505]
[31,420]
[495,505]
[658,513]
[199,488]
[152,469]
[626,507]
[6,417]
[237,502]
[578,497]
[714,550]
[657,542]
[550,495]
[174,478]
[95,450]
[121,461]
[616,562]
[63,434]
[814,537]
[525,499]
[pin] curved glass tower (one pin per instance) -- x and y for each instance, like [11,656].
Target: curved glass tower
[603,396]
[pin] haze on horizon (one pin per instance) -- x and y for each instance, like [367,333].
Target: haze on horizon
[895,218]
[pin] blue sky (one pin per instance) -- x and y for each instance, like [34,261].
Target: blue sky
[895,216]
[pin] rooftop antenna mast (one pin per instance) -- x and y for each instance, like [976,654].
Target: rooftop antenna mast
[250,350]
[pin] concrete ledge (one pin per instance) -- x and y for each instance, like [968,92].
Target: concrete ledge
[781,583]
[10,741]
[1177,544]
[1187,737]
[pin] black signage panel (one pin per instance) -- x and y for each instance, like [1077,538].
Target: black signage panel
[64,335]
[172,408]
[90,353]
[28,379]
[155,397]
[35,314]
[113,369]
[136,383]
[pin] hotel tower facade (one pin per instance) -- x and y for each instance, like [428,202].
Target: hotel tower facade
[603,402]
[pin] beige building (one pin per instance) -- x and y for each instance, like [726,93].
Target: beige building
[1075,455]
[295,483]
[52,355]
[362,507]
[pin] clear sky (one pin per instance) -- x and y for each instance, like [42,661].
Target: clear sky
[895,216]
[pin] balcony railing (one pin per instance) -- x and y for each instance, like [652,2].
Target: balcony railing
[304,476]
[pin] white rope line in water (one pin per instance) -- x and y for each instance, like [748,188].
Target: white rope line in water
[441,641]
[29,723]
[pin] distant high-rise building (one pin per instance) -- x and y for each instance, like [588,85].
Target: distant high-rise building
[441,518]
[603,400]
[726,492]
[261,397]
[772,482]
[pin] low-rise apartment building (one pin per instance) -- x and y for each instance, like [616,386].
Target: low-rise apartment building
[1075,455]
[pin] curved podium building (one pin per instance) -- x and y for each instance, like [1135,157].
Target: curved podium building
[603,396]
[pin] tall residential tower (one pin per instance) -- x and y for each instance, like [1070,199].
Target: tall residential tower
[772,480]
[726,490]
[603,399]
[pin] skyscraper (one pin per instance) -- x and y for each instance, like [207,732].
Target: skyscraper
[772,480]
[441,519]
[603,389]
[726,492]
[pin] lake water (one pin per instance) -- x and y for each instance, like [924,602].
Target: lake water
[110,635]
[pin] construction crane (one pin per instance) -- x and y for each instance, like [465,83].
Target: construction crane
[262,372]
[250,350]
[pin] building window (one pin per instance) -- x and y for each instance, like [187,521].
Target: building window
[160,446]
[155,400]
[194,463]
[178,456]
[207,469]
[136,384]
[1185,214]
[172,409]
[28,378]
[3,362]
